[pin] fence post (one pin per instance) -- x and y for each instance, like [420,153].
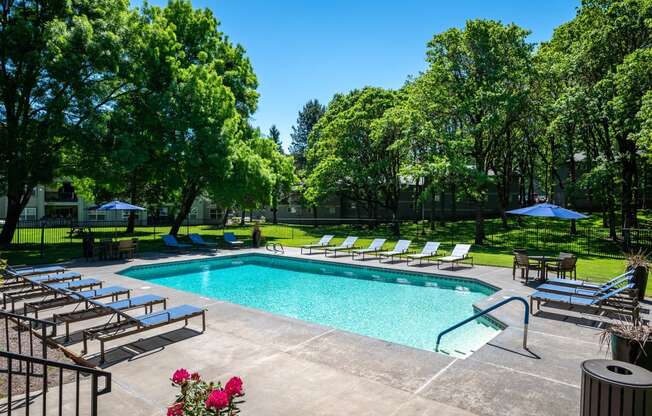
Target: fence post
[42,239]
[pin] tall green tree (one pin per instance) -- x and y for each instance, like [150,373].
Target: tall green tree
[62,66]
[474,94]
[309,115]
[275,135]
[352,152]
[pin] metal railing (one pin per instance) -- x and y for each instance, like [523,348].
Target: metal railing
[11,358]
[26,365]
[526,319]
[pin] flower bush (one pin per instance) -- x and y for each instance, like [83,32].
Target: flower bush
[200,398]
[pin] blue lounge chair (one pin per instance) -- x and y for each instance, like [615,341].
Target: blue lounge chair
[375,246]
[589,285]
[199,241]
[232,241]
[401,247]
[428,251]
[100,309]
[170,241]
[585,291]
[571,300]
[321,244]
[347,244]
[31,281]
[47,289]
[30,271]
[71,297]
[130,325]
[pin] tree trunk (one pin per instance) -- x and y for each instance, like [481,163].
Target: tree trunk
[453,203]
[16,202]
[131,222]
[628,173]
[188,197]
[225,219]
[242,217]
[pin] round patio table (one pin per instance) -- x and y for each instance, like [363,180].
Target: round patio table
[543,262]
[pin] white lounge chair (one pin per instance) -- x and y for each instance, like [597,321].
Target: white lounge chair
[347,244]
[400,248]
[322,243]
[428,251]
[460,252]
[373,248]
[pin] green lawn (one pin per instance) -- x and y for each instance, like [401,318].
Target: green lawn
[595,268]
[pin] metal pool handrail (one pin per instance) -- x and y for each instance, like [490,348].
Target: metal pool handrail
[526,319]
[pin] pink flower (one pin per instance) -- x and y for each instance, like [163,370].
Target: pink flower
[218,399]
[180,376]
[176,409]
[233,387]
[195,377]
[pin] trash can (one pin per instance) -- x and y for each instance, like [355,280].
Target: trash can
[615,388]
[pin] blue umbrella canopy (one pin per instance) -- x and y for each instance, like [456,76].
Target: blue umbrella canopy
[119,206]
[548,210]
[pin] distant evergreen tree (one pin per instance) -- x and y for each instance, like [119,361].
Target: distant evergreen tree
[308,117]
[275,135]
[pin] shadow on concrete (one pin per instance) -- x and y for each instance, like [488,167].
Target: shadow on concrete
[142,348]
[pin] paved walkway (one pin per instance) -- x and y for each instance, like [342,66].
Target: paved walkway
[291,367]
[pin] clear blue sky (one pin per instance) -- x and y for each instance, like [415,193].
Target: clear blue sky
[313,49]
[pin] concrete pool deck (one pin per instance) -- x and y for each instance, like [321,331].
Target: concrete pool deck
[292,367]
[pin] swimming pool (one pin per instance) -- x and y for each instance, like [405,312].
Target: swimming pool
[405,308]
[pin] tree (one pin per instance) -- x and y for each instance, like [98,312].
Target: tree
[61,68]
[474,94]
[275,135]
[352,152]
[308,117]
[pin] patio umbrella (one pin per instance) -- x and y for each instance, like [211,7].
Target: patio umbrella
[119,206]
[550,211]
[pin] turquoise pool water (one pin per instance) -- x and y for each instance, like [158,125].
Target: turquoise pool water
[405,308]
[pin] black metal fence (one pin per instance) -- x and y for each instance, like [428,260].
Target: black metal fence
[537,236]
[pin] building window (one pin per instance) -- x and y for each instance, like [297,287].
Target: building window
[163,212]
[28,214]
[96,215]
[332,210]
[353,206]
[125,215]
[212,213]
[293,210]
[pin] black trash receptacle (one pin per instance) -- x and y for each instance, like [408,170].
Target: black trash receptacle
[615,388]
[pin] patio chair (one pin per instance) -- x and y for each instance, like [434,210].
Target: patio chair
[567,264]
[47,289]
[516,250]
[126,248]
[232,241]
[375,246]
[347,244]
[69,297]
[428,251]
[171,242]
[460,253]
[130,325]
[570,300]
[100,309]
[199,241]
[322,244]
[524,264]
[401,247]
[589,285]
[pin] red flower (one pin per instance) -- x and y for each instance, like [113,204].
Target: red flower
[233,387]
[180,376]
[195,377]
[176,409]
[218,399]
